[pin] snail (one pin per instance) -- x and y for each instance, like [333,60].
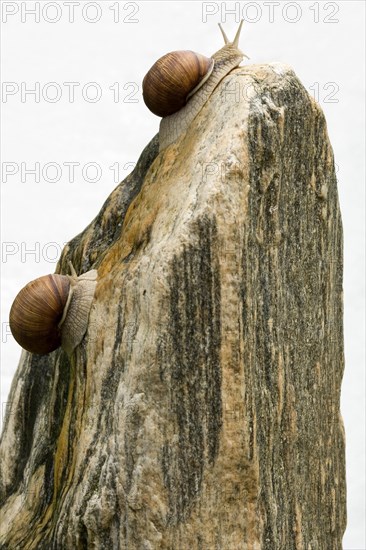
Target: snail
[53,311]
[179,84]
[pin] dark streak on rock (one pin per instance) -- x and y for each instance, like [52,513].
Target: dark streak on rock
[191,356]
[35,391]
[134,421]
[119,329]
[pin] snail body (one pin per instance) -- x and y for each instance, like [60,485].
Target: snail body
[53,311]
[176,89]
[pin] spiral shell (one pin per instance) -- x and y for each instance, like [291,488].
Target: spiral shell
[173,78]
[37,311]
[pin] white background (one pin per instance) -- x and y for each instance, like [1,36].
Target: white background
[324,43]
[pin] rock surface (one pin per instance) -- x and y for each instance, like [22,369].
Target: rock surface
[201,410]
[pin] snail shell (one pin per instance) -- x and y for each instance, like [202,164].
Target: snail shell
[172,79]
[37,311]
[53,311]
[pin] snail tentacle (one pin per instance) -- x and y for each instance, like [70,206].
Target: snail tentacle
[237,36]
[226,40]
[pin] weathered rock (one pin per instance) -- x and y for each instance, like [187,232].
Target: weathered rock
[201,411]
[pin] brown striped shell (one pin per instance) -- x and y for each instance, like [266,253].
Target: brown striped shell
[173,78]
[37,311]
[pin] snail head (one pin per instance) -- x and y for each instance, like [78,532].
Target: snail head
[231,49]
